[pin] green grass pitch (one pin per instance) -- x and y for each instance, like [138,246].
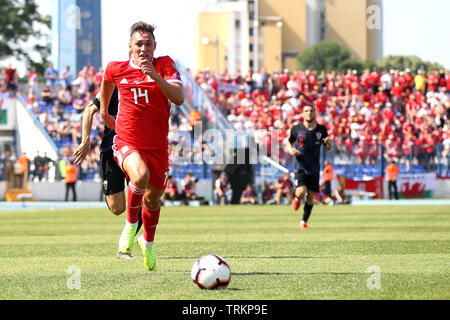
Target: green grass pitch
[43,251]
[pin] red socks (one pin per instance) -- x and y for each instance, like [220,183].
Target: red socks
[150,221]
[150,218]
[134,202]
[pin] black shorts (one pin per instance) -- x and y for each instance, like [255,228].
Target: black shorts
[113,178]
[311,181]
[11,86]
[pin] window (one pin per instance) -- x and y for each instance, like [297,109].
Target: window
[322,25]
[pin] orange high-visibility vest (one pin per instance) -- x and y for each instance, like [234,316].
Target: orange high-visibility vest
[328,173]
[23,160]
[391,172]
[71,173]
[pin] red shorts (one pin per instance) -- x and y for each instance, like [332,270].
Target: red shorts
[157,161]
[168,190]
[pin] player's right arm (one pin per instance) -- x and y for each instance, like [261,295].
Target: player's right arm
[83,149]
[106,91]
[291,149]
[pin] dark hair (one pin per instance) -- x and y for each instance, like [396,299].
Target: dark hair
[142,27]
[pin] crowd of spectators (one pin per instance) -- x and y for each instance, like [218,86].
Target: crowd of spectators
[59,106]
[58,102]
[408,114]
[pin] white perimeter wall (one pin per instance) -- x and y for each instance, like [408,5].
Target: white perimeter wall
[90,191]
[442,189]
[86,190]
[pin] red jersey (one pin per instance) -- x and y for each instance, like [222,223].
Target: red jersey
[188,184]
[321,104]
[249,194]
[284,78]
[409,80]
[433,83]
[9,74]
[171,186]
[143,116]
[223,185]
[375,78]
[285,185]
[397,91]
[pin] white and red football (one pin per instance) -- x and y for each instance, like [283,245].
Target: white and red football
[211,272]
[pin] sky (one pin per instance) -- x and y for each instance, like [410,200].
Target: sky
[417,27]
[410,27]
[174,21]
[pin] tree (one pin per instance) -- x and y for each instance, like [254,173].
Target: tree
[20,21]
[326,55]
[413,63]
[352,64]
[357,65]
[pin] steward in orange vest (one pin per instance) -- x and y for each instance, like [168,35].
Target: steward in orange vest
[391,177]
[71,177]
[327,177]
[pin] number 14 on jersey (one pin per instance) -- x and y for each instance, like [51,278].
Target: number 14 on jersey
[138,93]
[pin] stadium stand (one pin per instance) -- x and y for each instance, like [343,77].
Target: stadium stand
[373,117]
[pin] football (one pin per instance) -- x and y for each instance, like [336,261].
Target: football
[211,272]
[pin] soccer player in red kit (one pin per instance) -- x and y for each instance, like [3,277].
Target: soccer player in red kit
[147,85]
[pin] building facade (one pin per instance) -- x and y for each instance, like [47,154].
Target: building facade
[270,34]
[76,34]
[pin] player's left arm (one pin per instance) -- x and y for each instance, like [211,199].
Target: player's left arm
[327,141]
[173,90]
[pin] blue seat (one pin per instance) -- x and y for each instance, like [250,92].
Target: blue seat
[58,143]
[69,108]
